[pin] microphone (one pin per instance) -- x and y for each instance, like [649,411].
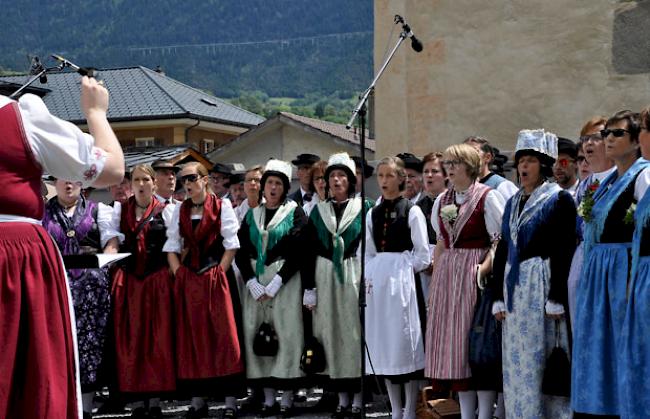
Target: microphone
[415,43]
[84,71]
[36,68]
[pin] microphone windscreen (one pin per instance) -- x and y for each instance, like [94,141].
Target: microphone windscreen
[416,44]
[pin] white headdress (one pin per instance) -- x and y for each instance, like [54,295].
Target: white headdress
[537,140]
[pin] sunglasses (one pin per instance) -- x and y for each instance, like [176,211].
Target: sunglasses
[564,163]
[617,132]
[581,159]
[451,163]
[593,137]
[190,178]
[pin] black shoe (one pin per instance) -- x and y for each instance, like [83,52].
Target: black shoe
[87,415]
[139,413]
[300,397]
[355,413]
[287,411]
[199,413]
[339,413]
[251,405]
[267,411]
[111,405]
[327,402]
[156,412]
[229,413]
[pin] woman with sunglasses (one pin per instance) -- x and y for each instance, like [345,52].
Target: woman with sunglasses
[80,226]
[601,297]
[201,244]
[530,272]
[467,221]
[593,148]
[269,257]
[318,185]
[142,298]
[635,358]
[397,248]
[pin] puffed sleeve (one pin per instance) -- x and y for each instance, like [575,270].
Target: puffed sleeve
[493,213]
[61,148]
[434,215]
[642,183]
[174,243]
[507,189]
[421,256]
[229,225]
[106,221]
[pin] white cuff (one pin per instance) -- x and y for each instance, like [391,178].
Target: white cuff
[274,286]
[256,289]
[553,308]
[480,282]
[310,298]
[498,307]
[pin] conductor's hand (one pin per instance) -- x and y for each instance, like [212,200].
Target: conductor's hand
[94,97]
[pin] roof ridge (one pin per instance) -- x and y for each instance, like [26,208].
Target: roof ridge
[171,97]
[222,101]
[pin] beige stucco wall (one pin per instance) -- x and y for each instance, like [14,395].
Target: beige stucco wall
[283,142]
[493,68]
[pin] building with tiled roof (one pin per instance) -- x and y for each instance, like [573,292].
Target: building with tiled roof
[148,109]
[285,136]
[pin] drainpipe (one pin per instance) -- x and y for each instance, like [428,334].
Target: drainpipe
[187,132]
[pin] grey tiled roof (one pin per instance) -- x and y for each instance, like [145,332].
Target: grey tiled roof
[139,93]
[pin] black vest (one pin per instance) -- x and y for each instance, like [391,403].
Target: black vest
[390,225]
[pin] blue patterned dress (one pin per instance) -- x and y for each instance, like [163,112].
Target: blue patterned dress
[531,268]
[635,359]
[601,297]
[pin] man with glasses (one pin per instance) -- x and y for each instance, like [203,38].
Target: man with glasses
[220,180]
[565,170]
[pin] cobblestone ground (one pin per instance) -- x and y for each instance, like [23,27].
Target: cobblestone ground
[174,410]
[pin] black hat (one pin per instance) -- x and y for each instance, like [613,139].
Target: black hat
[411,162]
[566,146]
[164,164]
[367,169]
[305,159]
[238,177]
[224,169]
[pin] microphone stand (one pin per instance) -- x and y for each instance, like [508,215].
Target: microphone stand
[42,72]
[360,112]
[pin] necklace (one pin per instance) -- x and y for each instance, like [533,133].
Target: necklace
[197,206]
[68,207]
[142,207]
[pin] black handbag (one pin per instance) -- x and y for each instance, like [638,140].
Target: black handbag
[485,335]
[265,342]
[557,372]
[312,360]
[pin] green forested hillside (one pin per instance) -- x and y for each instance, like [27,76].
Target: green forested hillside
[282,48]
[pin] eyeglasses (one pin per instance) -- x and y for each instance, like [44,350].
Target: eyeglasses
[616,132]
[253,180]
[594,137]
[564,163]
[190,178]
[451,163]
[319,179]
[412,176]
[581,159]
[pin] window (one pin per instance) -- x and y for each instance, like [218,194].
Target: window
[145,142]
[207,145]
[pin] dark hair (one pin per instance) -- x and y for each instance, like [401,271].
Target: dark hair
[633,125]
[644,117]
[433,156]
[483,143]
[545,162]
[352,178]
[285,183]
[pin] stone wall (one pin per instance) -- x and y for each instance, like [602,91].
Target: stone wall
[493,68]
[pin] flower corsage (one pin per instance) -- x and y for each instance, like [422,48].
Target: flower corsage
[449,213]
[587,203]
[629,214]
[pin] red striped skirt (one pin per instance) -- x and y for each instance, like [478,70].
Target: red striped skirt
[144,332]
[207,344]
[37,361]
[452,303]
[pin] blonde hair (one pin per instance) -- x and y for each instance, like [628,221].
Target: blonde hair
[467,154]
[147,169]
[398,166]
